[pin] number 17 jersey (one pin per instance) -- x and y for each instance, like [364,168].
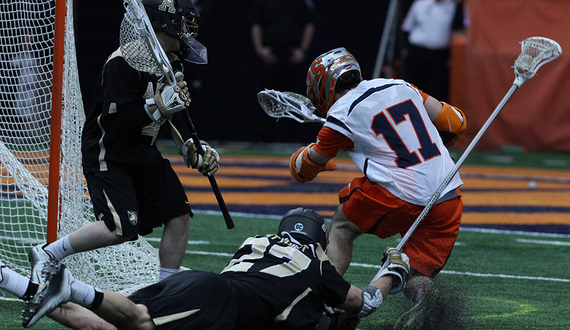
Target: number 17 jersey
[396,144]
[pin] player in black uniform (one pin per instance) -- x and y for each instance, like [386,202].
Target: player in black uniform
[132,187]
[277,281]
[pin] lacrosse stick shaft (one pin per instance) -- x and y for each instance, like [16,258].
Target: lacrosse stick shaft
[454,170]
[162,64]
[213,183]
[458,164]
[223,207]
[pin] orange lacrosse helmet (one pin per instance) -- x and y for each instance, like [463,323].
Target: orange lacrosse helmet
[327,73]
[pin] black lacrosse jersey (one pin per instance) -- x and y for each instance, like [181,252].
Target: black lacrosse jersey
[294,279]
[118,133]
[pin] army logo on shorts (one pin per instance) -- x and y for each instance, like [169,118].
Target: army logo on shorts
[132,217]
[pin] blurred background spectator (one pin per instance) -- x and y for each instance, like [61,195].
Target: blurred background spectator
[32,94]
[428,28]
[282,32]
[227,86]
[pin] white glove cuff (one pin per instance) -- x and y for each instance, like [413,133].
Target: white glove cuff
[399,282]
[371,300]
[199,160]
[184,150]
[156,116]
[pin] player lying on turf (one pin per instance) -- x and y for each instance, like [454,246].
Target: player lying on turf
[277,281]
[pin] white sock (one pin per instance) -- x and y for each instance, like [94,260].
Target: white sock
[60,248]
[82,293]
[13,282]
[165,272]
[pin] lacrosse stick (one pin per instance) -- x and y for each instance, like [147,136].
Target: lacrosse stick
[278,104]
[535,52]
[142,51]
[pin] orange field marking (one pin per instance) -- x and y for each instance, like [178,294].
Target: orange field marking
[266,181]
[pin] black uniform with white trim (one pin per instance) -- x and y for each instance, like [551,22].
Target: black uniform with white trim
[272,282]
[133,188]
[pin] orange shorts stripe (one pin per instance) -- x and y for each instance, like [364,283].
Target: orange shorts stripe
[376,211]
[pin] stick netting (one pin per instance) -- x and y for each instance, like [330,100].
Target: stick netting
[26,52]
[535,52]
[278,104]
[135,46]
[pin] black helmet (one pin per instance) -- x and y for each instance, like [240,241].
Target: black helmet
[305,222]
[177,18]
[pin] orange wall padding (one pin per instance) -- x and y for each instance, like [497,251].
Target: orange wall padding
[537,117]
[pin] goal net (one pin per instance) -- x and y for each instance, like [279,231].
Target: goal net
[27,64]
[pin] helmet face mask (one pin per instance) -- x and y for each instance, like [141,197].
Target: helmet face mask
[178,19]
[305,222]
[190,26]
[324,73]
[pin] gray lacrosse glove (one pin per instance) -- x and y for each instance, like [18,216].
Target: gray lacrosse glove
[207,164]
[398,265]
[371,299]
[167,101]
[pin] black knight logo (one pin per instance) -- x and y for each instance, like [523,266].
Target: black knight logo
[132,215]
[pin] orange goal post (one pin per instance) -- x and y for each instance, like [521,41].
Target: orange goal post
[44,195]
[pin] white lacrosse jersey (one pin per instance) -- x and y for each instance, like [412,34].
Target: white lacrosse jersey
[396,144]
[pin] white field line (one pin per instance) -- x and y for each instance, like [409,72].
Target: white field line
[205,253]
[240,214]
[515,177]
[476,230]
[518,277]
[513,232]
[451,272]
[536,241]
[157,240]
[10,299]
[355,264]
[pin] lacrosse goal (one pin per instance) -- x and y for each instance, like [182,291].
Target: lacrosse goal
[44,196]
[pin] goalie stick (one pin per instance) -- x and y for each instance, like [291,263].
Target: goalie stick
[142,51]
[535,52]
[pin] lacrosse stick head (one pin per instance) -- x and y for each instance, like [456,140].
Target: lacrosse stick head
[329,73]
[138,43]
[140,46]
[278,104]
[535,52]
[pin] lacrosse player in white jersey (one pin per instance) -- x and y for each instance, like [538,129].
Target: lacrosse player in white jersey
[397,135]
